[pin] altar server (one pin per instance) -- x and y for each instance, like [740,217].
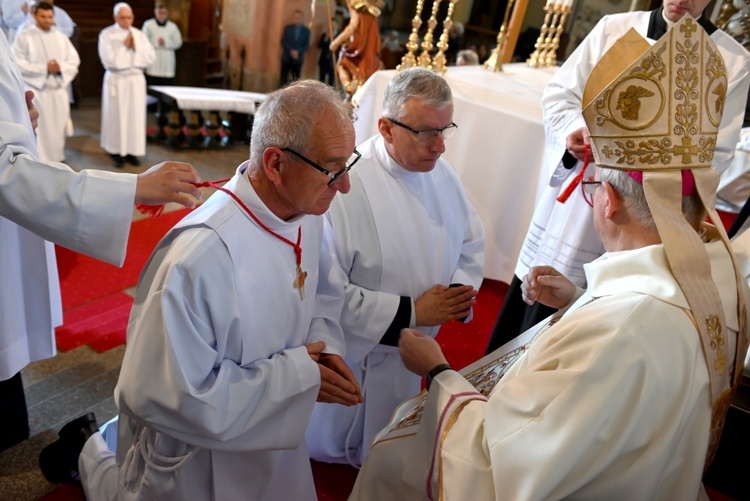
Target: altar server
[48,63]
[563,234]
[231,315]
[125,52]
[622,395]
[410,250]
[88,211]
[166,38]
[63,21]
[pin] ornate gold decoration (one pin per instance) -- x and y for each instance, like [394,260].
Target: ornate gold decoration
[641,123]
[495,61]
[713,326]
[425,61]
[409,60]
[545,49]
[438,62]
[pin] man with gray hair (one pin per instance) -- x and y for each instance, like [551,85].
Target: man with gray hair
[410,250]
[234,332]
[125,53]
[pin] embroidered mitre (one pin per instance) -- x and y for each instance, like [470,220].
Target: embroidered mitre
[657,109]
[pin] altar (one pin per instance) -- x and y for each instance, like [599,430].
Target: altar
[195,115]
[498,149]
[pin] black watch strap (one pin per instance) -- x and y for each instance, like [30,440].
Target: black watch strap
[432,374]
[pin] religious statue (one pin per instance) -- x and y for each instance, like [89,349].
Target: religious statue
[359,43]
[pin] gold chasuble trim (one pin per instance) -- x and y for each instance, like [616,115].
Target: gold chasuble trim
[661,115]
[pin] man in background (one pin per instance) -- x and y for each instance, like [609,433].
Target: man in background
[409,250]
[48,63]
[63,21]
[294,43]
[166,39]
[125,52]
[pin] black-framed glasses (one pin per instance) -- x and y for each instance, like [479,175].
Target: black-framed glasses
[334,177]
[590,185]
[429,134]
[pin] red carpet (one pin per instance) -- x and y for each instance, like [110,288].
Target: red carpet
[95,310]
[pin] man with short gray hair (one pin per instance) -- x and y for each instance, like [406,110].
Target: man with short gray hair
[125,52]
[409,248]
[234,332]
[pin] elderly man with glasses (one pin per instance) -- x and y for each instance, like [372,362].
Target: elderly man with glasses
[234,332]
[409,249]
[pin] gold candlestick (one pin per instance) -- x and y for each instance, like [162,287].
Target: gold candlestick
[424,58]
[438,62]
[495,61]
[551,55]
[534,60]
[409,60]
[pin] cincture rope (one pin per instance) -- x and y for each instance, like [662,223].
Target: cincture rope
[157,210]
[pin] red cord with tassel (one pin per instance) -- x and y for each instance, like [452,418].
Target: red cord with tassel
[563,197]
[157,210]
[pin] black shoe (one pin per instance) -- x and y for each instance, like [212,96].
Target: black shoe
[59,460]
[132,160]
[117,160]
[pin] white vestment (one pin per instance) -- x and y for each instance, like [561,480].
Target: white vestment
[396,233]
[13,16]
[216,386]
[34,49]
[164,65]
[563,235]
[734,185]
[612,402]
[89,212]
[124,90]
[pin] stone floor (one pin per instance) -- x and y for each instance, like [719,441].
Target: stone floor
[79,381]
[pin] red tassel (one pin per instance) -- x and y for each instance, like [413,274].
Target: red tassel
[150,210]
[565,195]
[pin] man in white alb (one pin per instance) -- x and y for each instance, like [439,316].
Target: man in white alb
[48,63]
[410,250]
[623,394]
[231,315]
[125,52]
[166,38]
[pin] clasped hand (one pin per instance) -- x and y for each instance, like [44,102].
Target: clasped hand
[548,286]
[337,382]
[441,304]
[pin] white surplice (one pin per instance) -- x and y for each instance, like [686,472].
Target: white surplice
[396,233]
[89,212]
[34,49]
[124,90]
[611,402]
[563,235]
[164,64]
[63,22]
[216,386]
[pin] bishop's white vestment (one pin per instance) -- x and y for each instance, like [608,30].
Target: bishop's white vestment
[34,49]
[216,386]
[165,62]
[124,90]
[611,402]
[88,212]
[396,234]
[563,235]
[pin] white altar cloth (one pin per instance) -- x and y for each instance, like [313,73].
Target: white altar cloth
[498,148]
[200,98]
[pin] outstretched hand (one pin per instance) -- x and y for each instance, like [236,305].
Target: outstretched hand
[548,286]
[420,353]
[168,182]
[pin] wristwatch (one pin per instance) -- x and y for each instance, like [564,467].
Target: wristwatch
[434,372]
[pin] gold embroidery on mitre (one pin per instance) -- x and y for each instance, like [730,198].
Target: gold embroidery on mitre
[663,112]
[713,325]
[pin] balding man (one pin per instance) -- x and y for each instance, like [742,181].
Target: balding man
[234,333]
[125,53]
